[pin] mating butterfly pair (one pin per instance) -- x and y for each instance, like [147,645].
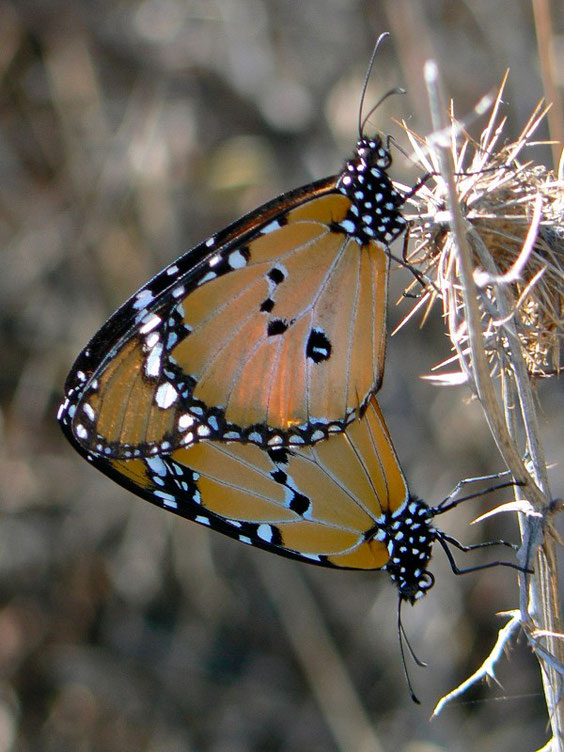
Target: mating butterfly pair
[236,388]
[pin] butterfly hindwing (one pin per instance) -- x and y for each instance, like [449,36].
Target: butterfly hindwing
[328,504]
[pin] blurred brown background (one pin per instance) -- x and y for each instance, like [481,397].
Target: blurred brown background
[130,131]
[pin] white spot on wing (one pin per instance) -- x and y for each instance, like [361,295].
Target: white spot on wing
[207,277]
[185,421]
[89,411]
[271,226]
[237,260]
[153,361]
[296,440]
[166,497]
[348,226]
[142,299]
[157,466]
[150,322]
[265,533]
[152,339]
[166,395]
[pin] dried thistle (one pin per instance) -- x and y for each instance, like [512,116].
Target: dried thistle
[489,238]
[515,216]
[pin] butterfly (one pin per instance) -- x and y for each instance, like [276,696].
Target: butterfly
[272,331]
[342,502]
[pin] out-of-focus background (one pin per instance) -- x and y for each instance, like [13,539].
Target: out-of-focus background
[129,131]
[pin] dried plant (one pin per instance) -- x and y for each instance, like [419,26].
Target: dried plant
[488,234]
[515,210]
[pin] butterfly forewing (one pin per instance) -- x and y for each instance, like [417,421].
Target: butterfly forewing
[272,332]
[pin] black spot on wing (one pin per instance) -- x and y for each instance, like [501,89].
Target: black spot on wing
[267,305]
[318,346]
[299,503]
[279,476]
[279,455]
[276,275]
[245,252]
[276,539]
[276,326]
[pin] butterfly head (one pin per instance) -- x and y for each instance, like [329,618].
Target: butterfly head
[373,153]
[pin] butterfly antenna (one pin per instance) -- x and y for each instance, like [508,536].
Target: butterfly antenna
[403,639]
[362,121]
[391,93]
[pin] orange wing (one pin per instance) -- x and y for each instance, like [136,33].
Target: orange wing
[331,504]
[272,332]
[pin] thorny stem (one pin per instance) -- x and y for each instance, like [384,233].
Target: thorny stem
[505,309]
[483,384]
[539,603]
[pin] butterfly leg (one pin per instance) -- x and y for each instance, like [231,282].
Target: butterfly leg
[444,540]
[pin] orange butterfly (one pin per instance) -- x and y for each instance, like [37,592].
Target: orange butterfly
[271,332]
[341,503]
